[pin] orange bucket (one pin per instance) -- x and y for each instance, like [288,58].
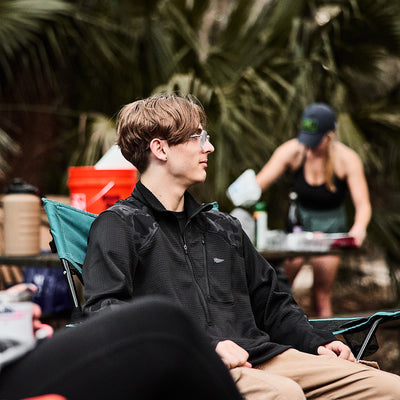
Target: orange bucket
[95,190]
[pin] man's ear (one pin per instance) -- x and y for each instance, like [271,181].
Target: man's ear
[157,147]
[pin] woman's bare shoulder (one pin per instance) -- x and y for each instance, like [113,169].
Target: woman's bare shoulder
[345,159]
[294,152]
[345,153]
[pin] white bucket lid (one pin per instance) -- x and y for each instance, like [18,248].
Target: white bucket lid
[113,159]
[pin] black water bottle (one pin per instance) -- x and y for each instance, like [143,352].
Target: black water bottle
[293,223]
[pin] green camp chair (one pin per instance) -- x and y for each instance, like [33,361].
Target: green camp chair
[70,229]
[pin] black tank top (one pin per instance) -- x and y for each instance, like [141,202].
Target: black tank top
[318,197]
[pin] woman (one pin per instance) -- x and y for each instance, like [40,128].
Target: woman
[323,170]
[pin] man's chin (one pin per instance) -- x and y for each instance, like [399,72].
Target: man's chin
[199,180]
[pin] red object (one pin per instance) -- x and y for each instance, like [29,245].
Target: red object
[47,397]
[345,242]
[95,190]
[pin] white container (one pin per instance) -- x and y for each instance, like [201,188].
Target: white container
[261,225]
[245,191]
[246,220]
[21,224]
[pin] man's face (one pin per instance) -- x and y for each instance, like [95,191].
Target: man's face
[187,161]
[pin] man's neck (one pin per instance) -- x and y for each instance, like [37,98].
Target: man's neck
[168,192]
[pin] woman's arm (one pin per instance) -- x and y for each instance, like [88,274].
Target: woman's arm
[358,187]
[284,157]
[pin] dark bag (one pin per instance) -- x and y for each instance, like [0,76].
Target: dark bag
[52,295]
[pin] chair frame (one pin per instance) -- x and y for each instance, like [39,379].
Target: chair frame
[349,324]
[68,273]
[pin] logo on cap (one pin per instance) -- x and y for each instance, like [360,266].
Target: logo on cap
[309,125]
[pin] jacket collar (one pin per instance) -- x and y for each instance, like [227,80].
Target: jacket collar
[192,207]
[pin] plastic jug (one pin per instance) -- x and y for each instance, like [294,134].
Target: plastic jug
[261,224]
[22,210]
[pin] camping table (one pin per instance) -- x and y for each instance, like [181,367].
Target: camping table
[39,260]
[275,258]
[278,254]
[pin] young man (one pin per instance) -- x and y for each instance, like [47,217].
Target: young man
[160,241]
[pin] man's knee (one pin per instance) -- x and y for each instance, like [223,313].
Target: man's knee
[255,384]
[383,385]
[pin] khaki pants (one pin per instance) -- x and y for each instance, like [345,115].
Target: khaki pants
[295,375]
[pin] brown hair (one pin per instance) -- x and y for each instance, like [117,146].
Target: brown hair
[164,116]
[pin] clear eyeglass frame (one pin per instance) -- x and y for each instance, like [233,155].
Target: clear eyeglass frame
[204,137]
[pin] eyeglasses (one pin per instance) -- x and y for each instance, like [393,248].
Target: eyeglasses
[204,137]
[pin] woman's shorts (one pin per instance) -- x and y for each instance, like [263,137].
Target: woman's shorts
[326,221]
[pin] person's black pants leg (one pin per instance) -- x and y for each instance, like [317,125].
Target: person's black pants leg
[144,350]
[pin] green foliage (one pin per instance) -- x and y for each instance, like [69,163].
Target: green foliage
[254,65]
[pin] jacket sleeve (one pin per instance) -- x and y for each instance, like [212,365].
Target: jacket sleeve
[110,263]
[276,312]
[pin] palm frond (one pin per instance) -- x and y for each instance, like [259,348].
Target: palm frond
[7,147]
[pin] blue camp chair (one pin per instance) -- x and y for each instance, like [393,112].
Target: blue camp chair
[70,229]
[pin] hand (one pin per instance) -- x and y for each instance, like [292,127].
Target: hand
[336,349]
[358,234]
[232,355]
[45,330]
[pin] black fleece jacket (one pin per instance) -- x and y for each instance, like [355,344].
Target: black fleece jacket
[212,270]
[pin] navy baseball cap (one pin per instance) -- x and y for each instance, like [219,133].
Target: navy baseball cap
[317,120]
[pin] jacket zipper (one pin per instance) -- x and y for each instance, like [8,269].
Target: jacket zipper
[203,242]
[201,294]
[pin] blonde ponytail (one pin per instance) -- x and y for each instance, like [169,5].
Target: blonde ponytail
[329,172]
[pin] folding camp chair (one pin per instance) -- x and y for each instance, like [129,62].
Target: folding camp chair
[358,332]
[70,229]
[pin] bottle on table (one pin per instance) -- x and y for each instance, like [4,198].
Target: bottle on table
[293,222]
[261,224]
[22,219]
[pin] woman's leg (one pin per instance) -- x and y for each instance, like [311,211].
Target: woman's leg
[292,267]
[147,349]
[325,269]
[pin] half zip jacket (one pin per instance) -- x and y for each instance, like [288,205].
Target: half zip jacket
[211,269]
[198,287]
